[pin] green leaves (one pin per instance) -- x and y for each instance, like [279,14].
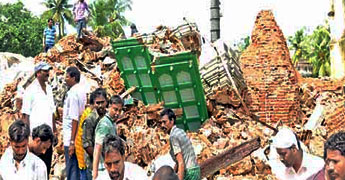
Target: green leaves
[20,31]
[59,11]
[314,48]
[107,17]
[245,42]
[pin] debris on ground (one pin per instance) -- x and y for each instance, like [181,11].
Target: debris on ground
[264,79]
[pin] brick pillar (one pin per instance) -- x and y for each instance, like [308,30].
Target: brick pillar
[269,73]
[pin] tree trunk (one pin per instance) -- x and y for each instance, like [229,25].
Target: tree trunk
[63,27]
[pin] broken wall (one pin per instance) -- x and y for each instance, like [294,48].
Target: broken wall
[269,73]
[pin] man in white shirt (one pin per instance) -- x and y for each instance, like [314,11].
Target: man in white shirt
[74,105]
[38,106]
[113,152]
[17,163]
[293,163]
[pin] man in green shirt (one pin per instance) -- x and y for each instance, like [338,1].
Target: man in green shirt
[105,126]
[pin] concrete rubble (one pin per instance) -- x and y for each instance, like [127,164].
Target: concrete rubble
[266,79]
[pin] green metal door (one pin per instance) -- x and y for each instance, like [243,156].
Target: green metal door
[174,79]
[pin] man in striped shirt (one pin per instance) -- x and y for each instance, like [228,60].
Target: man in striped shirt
[49,35]
[181,149]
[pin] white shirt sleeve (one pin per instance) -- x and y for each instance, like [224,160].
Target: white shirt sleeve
[51,96]
[27,102]
[41,170]
[73,110]
[134,172]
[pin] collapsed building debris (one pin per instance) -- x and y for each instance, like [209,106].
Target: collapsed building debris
[270,86]
[235,154]
[165,40]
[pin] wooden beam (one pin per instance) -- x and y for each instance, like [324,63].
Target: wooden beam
[230,156]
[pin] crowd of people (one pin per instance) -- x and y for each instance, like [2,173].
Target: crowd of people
[93,149]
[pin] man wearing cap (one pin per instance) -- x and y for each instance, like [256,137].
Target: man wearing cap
[292,162]
[38,106]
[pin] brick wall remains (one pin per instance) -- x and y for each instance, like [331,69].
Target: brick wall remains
[269,73]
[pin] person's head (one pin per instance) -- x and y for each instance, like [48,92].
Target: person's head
[115,106]
[168,119]
[165,173]
[50,22]
[133,29]
[99,100]
[42,139]
[19,133]
[288,147]
[334,155]
[42,71]
[81,0]
[72,76]
[113,153]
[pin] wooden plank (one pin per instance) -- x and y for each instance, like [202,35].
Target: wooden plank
[230,156]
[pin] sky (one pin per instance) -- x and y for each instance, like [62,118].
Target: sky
[237,19]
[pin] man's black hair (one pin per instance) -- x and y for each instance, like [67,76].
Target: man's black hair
[18,131]
[116,99]
[170,113]
[50,19]
[335,142]
[112,143]
[133,29]
[44,132]
[97,93]
[165,173]
[74,72]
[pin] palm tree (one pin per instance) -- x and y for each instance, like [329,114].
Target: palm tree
[319,51]
[297,44]
[315,48]
[59,11]
[107,17]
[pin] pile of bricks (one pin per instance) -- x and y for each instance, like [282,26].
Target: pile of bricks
[332,98]
[269,73]
[88,50]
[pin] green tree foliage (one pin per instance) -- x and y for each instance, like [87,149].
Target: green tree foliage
[297,44]
[107,17]
[244,43]
[315,48]
[20,31]
[59,11]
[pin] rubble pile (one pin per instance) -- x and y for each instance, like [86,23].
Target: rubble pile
[269,73]
[330,94]
[146,140]
[114,84]
[140,128]
[9,111]
[172,40]
[89,49]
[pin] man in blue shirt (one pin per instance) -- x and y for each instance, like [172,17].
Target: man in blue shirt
[49,35]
